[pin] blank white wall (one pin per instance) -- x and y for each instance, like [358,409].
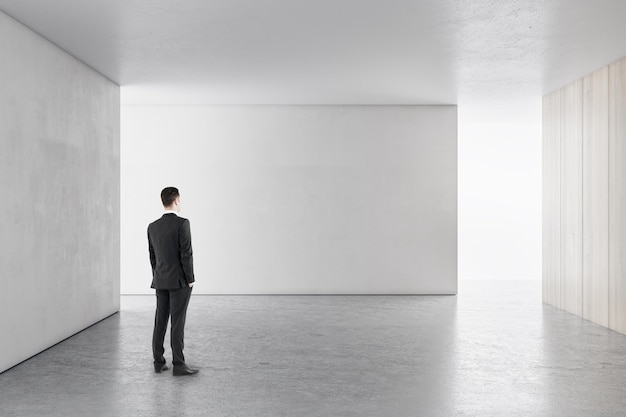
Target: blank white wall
[297,199]
[500,199]
[59,176]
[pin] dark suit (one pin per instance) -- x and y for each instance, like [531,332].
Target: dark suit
[171,257]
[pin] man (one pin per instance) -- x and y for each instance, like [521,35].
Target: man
[169,242]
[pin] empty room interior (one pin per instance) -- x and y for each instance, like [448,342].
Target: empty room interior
[398,208]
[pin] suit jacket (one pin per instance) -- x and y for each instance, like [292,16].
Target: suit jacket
[171,257]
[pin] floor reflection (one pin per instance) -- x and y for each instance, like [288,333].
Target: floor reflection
[493,350]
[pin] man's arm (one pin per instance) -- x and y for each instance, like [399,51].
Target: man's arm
[152,255]
[186,253]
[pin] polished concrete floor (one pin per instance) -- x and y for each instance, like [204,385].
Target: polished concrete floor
[493,350]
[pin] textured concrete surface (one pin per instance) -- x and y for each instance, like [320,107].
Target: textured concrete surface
[483,53]
[494,350]
[60,178]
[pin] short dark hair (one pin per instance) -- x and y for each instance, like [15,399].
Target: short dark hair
[168,195]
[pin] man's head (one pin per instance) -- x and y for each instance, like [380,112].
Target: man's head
[170,198]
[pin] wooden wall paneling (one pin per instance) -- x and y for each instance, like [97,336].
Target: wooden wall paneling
[551,201]
[595,197]
[571,197]
[617,196]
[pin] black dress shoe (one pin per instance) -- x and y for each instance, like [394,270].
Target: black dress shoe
[181,370]
[160,367]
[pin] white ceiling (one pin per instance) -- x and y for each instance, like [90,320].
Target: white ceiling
[496,56]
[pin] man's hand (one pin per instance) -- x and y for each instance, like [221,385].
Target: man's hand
[191,285]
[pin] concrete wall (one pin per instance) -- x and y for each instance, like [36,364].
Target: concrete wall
[59,185]
[316,199]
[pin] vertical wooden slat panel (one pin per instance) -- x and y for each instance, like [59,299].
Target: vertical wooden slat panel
[617,196]
[571,197]
[596,197]
[590,199]
[551,230]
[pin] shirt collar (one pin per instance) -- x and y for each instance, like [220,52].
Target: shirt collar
[170,212]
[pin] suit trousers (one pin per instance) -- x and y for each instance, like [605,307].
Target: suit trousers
[170,303]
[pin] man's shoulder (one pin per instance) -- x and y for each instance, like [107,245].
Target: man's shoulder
[171,218]
[168,219]
[155,222]
[176,218]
